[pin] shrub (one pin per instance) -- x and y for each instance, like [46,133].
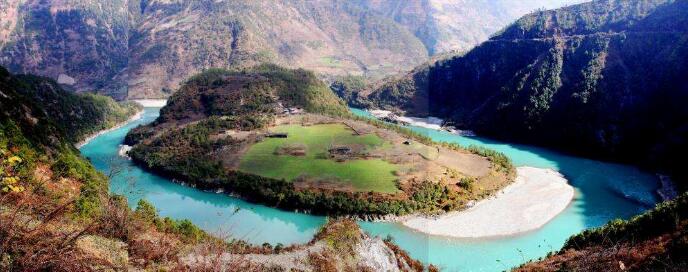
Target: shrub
[146,210]
[466,183]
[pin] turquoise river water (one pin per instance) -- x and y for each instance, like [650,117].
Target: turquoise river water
[604,191]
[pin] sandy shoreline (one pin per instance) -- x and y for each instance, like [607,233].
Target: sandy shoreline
[134,117]
[151,103]
[427,122]
[537,196]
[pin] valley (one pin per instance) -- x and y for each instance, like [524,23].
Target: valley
[362,135]
[56,207]
[601,195]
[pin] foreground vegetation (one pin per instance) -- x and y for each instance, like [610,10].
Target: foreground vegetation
[654,241]
[54,205]
[57,214]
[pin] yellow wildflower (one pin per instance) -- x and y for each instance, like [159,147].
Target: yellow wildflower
[14,160]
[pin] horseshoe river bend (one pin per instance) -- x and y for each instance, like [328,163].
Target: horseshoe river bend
[603,192]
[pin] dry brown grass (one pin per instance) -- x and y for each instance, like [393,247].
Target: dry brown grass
[41,232]
[668,252]
[39,243]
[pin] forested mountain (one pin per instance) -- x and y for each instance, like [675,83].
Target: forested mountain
[48,114]
[137,48]
[607,78]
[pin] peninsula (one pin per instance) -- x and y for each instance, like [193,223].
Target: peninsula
[280,137]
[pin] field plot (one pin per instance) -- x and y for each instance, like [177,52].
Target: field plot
[307,154]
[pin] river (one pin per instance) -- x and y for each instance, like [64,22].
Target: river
[604,191]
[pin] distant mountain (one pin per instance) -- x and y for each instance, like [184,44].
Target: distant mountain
[608,78]
[79,43]
[146,48]
[457,25]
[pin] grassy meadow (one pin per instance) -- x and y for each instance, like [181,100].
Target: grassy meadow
[363,175]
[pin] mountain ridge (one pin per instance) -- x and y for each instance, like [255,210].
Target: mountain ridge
[602,79]
[147,48]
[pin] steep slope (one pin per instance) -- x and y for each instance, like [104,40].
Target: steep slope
[606,78]
[80,43]
[80,115]
[181,38]
[654,241]
[136,49]
[457,25]
[146,48]
[47,107]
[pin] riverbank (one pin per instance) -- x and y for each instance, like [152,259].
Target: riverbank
[535,198]
[427,122]
[259,224]
[134,117]
[151,103]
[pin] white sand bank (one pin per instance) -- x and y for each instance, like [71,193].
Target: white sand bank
[427,122]
[536,197]
[123,151]
[151,103]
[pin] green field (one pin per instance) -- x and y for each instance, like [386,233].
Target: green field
[364,175]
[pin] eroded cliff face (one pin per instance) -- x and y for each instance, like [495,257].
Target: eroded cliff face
[8,19]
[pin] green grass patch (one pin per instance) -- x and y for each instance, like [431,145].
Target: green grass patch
[364,175]
[331,62]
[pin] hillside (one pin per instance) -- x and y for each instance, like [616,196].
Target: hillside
[606,79]
[80,43]
[55,207]
[280,137]
[146,49]
[79,115]
[250,96]
[73,116]
[456,25]
[654,241]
